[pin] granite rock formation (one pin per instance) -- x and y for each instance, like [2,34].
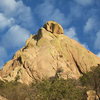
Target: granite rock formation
[92,95]
[2,98]
[45,53]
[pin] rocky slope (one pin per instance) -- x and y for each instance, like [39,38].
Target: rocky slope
[46,53]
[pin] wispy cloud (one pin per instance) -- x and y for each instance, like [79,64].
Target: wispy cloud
[91,28]
[18,19]
[15,37]
[8,6]
[71,32]
[75,10]
[20,13]
[5,22]
[91,24]
[97,41]
[3,52]
[3,55]
[85,2]
[47,11]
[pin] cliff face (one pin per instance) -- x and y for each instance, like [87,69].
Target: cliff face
[47,52]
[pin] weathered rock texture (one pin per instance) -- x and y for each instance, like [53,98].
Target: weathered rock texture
[92,95]
[53,27]
[45,53]
[2,98]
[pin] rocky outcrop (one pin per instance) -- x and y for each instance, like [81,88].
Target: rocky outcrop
[45,53]
[2,98]
[53,27]
[92,95]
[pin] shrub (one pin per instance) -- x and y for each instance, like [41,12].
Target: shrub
[92,79]
[59,89]
[13,90]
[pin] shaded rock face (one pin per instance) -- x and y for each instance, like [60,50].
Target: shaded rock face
[45,53]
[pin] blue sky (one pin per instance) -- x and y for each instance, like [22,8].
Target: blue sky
[20,18]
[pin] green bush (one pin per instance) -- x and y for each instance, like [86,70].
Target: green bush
[92,79]
[13,90]
[58,89]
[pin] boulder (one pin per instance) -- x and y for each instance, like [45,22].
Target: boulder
[92,95]
[53,27]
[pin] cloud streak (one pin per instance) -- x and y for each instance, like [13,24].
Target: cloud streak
[97,41]
[3,55]
[3,52]
[5,22]
[47,11]
[71,32]
[91,25]
[15,37]
[18,19]
[85,2]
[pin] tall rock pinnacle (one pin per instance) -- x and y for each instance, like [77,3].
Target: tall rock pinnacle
[47,52]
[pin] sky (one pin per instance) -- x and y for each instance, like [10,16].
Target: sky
[20,18]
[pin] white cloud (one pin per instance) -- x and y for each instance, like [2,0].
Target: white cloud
[85,2]
[24,15]
[4,21]
[3,52]
[15,37]
[8,6]
[47,11]
[91,24]
[3,55]
[18,19]
[97,41]
[17,11]
[71,33]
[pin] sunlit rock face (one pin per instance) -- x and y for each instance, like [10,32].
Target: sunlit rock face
[53,27]
[45,53]
[2,98]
